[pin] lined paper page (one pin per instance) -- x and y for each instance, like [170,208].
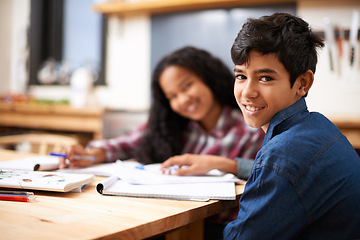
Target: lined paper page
[136,173]
[151,174]
[187,191]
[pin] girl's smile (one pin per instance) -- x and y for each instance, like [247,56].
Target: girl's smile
[189,96]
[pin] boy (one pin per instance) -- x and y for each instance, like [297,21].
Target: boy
[305,182]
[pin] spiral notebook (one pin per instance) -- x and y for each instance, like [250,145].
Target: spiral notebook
[202,191]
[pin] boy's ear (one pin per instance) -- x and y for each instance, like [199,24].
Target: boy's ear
[304,83]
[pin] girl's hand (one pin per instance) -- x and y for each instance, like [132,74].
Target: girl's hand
[199,164]
[79,150]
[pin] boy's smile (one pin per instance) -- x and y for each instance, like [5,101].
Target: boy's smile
[262,88]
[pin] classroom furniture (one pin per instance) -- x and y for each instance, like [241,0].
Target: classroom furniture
[350,127]
[89,215]
[40,143]
[55,117]
[165,6]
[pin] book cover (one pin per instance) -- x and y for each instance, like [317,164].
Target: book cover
[42,180]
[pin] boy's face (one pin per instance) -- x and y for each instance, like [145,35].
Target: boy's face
[262,88]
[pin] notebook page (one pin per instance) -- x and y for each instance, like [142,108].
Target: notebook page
[187,191]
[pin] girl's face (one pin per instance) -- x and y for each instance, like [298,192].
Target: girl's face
[189,96]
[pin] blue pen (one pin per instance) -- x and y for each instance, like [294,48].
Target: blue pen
[140,167]
[171,170]
[75,157]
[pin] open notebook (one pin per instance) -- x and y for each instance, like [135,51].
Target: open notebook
[136,173]
[136,180]
[127,178]
[202,191]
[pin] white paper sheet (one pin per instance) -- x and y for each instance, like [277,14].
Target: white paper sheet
[37,163]
[187,191]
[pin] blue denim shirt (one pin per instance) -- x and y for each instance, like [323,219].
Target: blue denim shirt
[304,184]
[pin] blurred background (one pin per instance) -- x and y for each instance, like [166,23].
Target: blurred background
[53,51]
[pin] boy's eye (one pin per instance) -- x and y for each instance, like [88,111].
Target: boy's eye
[240,77]
[266,79]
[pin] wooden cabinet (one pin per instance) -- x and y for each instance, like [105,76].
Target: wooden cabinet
[167,6]
[350,127]
[57,117]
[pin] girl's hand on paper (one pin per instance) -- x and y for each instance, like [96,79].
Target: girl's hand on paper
[72,159]
[198,164]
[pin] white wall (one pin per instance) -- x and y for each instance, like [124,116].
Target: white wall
[14,20]
[333,92]
[128,64]
[5,43]
[128,60]
[127,69]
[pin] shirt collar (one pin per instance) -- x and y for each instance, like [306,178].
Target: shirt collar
[286,118]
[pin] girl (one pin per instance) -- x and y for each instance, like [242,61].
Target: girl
[194,120]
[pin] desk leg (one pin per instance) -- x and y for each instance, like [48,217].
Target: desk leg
[193,231]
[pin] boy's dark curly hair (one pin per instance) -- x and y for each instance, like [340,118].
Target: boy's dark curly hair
[288,36]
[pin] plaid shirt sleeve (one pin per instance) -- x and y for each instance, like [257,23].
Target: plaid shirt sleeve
[253,144]
[122,147]
[230,138]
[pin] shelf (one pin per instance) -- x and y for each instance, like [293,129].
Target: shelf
[167,6]
[58,117]
[346,34]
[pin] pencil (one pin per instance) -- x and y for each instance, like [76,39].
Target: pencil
[17,196]
[76,157]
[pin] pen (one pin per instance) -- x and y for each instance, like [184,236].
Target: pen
[17,196]
[341,41]
[353,35]
[16,192]
[140,167]
[170,170]
[76,157]
[330,38]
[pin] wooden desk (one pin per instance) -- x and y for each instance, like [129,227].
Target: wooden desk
[89,215]
[60,117]
[350,127]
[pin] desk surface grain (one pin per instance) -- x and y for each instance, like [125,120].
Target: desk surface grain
[89,215]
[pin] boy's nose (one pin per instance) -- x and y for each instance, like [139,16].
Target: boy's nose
[250,90]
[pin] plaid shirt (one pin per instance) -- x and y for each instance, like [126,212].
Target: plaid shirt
[230,138]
